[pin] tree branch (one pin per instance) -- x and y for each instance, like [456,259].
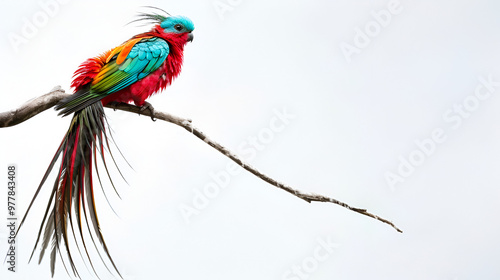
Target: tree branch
[46,101]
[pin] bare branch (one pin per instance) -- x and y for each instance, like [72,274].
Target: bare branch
[46,101]
[32,108]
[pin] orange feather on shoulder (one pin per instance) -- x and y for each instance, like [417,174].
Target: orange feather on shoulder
[123,50]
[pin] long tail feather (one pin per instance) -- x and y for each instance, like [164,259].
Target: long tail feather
[73,192]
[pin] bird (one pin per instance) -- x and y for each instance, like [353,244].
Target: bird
[130,73]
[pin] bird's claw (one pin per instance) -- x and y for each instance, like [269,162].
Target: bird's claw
[148,105]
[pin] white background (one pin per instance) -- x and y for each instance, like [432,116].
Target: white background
[354,121]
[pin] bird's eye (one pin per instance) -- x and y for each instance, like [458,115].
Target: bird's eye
[178,27]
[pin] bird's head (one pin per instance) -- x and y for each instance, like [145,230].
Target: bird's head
[178,27]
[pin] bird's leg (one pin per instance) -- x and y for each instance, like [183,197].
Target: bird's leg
[148,105]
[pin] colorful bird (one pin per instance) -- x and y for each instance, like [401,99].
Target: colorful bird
[131,72]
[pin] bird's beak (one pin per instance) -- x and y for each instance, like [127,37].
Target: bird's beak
[190,37]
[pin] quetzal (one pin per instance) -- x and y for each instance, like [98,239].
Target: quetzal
[131,72]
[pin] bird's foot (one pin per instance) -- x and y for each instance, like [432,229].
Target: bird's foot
[151,109]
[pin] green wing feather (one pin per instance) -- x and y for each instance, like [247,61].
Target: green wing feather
[145,57]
